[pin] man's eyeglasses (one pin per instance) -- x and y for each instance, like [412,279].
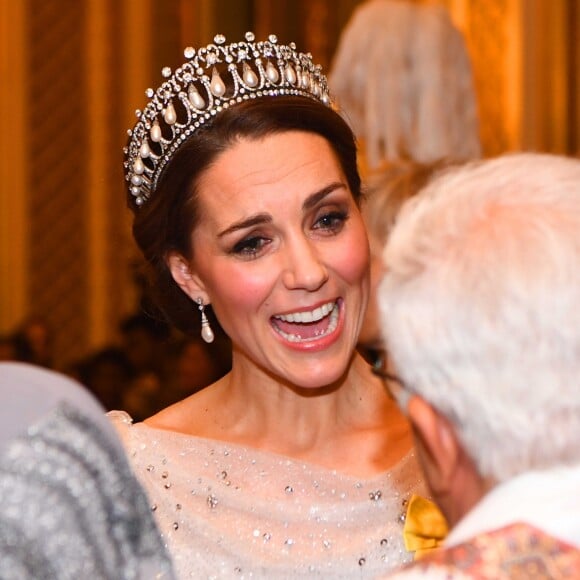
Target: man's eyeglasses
[394,385]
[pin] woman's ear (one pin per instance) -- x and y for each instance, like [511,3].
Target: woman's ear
[185,278]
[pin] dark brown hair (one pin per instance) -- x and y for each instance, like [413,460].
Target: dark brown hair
[164,223]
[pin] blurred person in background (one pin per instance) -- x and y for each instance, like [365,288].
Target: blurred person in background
[145,343]
[8,348]
[197,364]
[108,374]
[402,78]
[34,342]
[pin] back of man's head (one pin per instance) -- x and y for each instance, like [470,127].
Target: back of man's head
[480,308]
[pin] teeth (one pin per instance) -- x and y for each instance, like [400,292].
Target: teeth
[312,316]
[330,329]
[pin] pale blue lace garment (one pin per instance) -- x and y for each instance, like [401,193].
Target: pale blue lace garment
[226,511]
[70,507]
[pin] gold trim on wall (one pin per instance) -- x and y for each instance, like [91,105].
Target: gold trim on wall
[520,54]
[13,188]
[136,49]
[98,159]
[197,22]
[545,106]
[513,73]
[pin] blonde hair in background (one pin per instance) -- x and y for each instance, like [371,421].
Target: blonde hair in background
[387,189]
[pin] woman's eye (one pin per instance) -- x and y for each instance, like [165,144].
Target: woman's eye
[332,221]
[250,247]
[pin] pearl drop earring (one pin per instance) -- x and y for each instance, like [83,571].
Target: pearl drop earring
[206,331]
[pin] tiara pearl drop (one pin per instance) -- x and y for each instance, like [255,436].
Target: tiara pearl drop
[192,95]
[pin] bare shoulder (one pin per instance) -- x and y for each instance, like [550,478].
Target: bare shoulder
[191,415]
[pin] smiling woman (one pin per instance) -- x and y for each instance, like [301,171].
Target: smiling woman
[244,186]
[286,227]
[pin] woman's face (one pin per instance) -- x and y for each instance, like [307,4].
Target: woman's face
[282,255]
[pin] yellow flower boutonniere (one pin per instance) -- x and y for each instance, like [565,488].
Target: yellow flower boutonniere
[425,526]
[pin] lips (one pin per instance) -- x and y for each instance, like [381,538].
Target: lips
[308,325]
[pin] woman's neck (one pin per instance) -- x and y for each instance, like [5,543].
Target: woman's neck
[351,426]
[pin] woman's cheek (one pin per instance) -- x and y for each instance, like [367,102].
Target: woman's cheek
[244,286]
[356,256]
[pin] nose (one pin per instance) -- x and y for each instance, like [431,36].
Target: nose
[304,268]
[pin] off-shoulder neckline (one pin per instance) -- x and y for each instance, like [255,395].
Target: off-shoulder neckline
[232,448]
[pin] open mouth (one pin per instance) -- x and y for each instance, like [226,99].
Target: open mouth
[308,325]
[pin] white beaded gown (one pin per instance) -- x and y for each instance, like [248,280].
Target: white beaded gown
[227,511]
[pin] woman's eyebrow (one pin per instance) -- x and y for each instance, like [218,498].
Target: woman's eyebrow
[255,220]
[318,196]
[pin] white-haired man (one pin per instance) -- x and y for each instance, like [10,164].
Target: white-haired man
[480,308]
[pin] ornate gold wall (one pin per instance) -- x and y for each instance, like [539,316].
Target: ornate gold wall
[56,179]
[64,249]
[74,71]
[524,54]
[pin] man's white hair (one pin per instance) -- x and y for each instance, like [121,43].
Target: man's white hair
[480,307]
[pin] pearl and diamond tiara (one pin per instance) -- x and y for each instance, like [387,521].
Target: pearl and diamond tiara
[191,97]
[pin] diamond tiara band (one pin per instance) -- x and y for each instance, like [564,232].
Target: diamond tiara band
[195,92]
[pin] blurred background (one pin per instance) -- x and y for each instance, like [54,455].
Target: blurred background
[73,72]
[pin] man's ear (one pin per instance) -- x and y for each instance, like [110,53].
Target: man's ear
[187,280]
[451,473]
[437,445]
